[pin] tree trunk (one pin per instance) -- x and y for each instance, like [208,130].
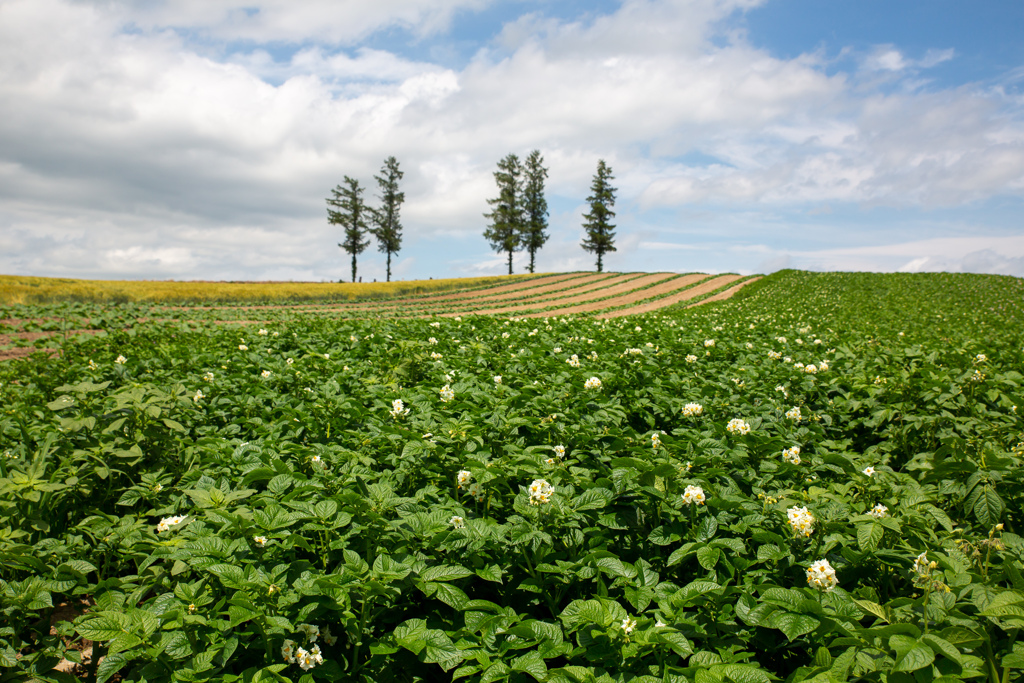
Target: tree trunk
[389,266]
[509,261]
[532,252]
[599,264]
[353,267]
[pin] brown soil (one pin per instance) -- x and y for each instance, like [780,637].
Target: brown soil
[703,288]
[674,284]
[615,285]
[727,294]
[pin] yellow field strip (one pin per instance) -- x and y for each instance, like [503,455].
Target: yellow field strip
[727,293]
[613,286]
[674,284]
[685,295]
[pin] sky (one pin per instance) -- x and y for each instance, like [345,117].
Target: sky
[199,139]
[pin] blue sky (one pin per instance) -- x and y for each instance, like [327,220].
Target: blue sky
[198,139]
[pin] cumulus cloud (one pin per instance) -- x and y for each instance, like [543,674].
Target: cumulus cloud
[167,136]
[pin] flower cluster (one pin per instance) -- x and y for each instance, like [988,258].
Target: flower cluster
[208,377]
[398,409]
[709,342]
[170,522]
[628,625]
[435,355]
[693,410]
[265,374]
[794,414]
[792,455]
[573,361]
[822,576]
[292,653]
[560,451]
[476,492]
[693,494]
[774,355]
[463,478]
[120,360]
[690,358]
[540,492]
[497,379]
[879,511]
[199,395]
[457,522]
[655,440]
[737,426]
[447,394]
[800,521]
[592,383]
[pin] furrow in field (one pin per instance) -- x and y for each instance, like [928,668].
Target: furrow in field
[633,282]
[674,284]
[727,294]
[573,284]
[685,295]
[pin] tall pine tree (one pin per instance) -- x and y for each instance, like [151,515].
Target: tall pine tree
[507,218]
[387,227]
[600,234]
[351,214]
[535,206]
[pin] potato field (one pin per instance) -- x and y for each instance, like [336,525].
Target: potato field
[818,479]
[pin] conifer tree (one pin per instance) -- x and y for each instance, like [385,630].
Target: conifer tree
[535,206]
[600,230]
[507,218]
[351,214]
[387,227]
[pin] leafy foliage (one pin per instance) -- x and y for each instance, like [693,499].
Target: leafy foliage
[215,507]
[505,232]
[386,218]
[350,212]
[600,237]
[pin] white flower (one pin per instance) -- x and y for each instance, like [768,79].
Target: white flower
[628,625]
[693,410]
[437,324]
[690,358]
[398,408]
[557,349]
[800,521]
[655,440]
[262,333]
[288,651]
[822,366]
[794,413]
[497,379]
[573,361]
[457,522]
[592,383]
[120,360]
[869,471]
[170,522]
[693,494]
[638,329]
[308,660]
[736,425]
[659,624]
[798,365]
[822,576]
[540,492]
[709,342]
[157,488]
[92,365]
[922,567]
[327,356]
[792,455]
[199,395]
[774,355]
[879,511]
[432,340]
[505,335]
[476,491]
[447,394]
[435,355]
[265,374]
[353,338]
[261,541]
[811,369]
[560,451]
[289,361]
[593,355]
[208,377]
[310,631]
[243,347]
[980,358]
[463,478]
[781,340]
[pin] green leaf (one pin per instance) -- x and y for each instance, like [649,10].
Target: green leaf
[490,573]
[882,613]
[869,535]
[531,663]
[793,625]
[708,557]
[988,507]
[917,657]
[444,572]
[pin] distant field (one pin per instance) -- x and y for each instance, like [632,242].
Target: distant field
[17,289]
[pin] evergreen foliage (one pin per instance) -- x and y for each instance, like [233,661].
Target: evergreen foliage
[507,218]
[387,227]
[350,213]
[600,230]
[535,206]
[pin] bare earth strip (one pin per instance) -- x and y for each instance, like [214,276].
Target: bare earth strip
[674,284]
[482,296]
[727,294]
[685,295]
[602,293]
[511,289]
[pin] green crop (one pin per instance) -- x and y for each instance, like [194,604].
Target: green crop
[818,480]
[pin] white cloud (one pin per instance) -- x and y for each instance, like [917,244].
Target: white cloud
[159,147]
